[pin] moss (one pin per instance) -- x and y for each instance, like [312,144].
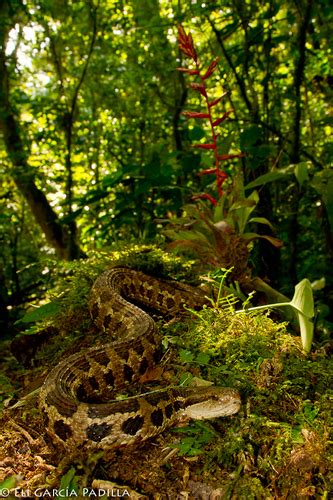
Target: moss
[281,435]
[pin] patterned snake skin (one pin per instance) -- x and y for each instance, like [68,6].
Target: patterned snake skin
[78,396]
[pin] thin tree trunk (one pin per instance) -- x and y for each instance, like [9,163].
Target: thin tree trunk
[69,115]
[296,137]
[55,233]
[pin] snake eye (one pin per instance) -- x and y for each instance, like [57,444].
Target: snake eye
[81,393]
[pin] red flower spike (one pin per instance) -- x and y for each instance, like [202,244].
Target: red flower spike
[186,44]
[204,146]
[211,68]
[200,88]
[205,196]
[194,114]
[187,47]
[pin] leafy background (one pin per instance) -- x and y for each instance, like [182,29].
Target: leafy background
[95,150]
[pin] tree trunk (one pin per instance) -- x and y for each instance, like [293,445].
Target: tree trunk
[55,233]
[296,137]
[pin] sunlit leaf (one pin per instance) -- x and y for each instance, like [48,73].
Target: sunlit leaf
[43,312]
[269,177]
[261,220]
[301,172]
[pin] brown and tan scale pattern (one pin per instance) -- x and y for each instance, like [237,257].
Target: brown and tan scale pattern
[77,398]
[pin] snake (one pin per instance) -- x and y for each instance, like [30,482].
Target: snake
[79,398]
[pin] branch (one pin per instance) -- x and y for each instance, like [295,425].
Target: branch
[239,81]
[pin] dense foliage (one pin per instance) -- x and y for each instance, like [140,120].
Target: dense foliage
[128,129]
[95,148]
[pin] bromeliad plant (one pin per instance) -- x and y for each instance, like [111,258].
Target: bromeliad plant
[216,233]
[219,235]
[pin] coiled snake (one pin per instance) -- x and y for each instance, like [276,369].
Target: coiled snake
[77,397]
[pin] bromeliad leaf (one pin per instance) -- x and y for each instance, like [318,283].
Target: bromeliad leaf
[253,236]
[223,117]
[216,101]
[261,220]
[211,68]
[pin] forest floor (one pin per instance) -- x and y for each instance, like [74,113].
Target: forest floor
[277,446]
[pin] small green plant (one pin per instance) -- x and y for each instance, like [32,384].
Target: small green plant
[196,436]
[69,481]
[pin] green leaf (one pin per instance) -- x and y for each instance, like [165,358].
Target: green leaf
[261,220]
[250,136]
[43,312]
[301,172]
[202,358]
[186,235]
[296,434]
[9,483]
[303,304]
[253,236]
[241,210]
[310,411]
[302,300]
[186,379]
[307,328]
[68,480]
[186,356]
[269,177]
[196,133]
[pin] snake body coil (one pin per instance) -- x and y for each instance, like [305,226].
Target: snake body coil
[77,398]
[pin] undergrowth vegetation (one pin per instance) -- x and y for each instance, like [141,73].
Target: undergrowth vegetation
[279,443]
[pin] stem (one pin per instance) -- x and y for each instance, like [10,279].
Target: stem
[267,306]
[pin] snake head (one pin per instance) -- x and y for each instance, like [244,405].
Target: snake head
[218,402]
